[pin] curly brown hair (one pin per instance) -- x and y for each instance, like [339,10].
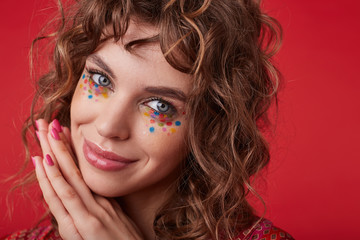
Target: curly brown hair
[227,47]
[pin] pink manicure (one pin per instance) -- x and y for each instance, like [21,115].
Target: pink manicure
[49,160]
[57,125]
[37,135]
[36,124]
[33,161]
[55,134]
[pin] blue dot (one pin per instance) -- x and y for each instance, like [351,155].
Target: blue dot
[156,113]
[152,129]
[177,123]
[83,76]
[96,85]
[90,96]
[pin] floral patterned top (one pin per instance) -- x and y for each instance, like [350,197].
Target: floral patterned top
[264,230]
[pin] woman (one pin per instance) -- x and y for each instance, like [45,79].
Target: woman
[157,111]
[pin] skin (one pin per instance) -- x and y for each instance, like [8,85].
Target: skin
[92,203]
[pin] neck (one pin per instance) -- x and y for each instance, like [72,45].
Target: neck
[141,207]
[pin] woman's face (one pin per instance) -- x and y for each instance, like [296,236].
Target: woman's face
[128,123]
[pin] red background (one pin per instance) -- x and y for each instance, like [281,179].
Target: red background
[312,189]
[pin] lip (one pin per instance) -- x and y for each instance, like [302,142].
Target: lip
[104,160]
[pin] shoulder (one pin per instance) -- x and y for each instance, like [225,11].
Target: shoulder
[38,233]
[264,230]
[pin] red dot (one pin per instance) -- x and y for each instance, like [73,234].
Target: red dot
[152,120]
[85,81]
[169,123]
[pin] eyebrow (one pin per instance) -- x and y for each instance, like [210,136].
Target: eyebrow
[164,91]
[167,92]
[98,61]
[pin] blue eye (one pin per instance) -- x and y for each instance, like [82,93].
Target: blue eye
[101,80]
[161,106]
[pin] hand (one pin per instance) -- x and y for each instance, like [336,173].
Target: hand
[80,214]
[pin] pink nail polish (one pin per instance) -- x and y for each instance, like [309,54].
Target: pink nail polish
[57,125]
[49,160]
[33,161]
[37,124]
[55,134]
[37,135]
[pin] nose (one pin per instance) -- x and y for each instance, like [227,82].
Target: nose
[114,120]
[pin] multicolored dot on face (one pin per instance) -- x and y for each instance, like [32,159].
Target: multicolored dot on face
[91,89]
[160,122]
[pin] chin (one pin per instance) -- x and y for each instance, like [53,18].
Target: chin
[101,189]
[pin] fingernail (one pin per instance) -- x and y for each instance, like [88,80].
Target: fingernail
[37,124]
[33,161]
[37,135]
[55,134]
[49,160]
[57,125]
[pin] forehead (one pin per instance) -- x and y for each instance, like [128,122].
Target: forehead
[136,30]
[144,62]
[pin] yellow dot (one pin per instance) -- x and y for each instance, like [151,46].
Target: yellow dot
[172,130]
[81,86]
[146,114]
[105,95]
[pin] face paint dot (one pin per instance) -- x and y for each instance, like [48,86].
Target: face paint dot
[162,120]
[156,113]
[90,91]
[184,113]
[169,123]
[96,85]
[90,96]
[83,76]
[85,81]
[105,95]
[172,130]
[177,123]
[96,100]
[160,124]
[152,121]
[146,114]
[85,88]
[164,129]
[81,86]
[151,129]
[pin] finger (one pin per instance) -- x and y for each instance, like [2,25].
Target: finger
[67,133]
[55,205]
[41,133]
[68,197]
[63,133]
[69,170]
[123,224]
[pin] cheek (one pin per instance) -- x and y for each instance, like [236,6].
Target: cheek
[91,90]
[157,123]
[86,102]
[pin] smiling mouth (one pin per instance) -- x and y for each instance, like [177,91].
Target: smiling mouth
[104,160]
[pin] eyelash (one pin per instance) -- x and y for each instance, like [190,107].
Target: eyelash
[172,110]
[92,71]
